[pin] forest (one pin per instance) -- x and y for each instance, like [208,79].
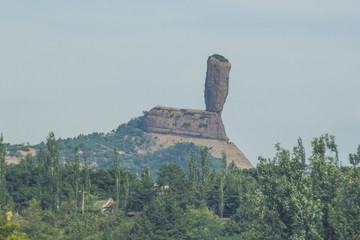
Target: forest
[289,196]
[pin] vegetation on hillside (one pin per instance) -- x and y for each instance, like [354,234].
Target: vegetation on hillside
[277,200]
[99,149]
[219,57]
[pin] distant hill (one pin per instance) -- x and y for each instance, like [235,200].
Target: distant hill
[137,149]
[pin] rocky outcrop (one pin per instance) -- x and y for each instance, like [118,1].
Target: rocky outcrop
[168,126]
[160,141]
[216,83]
[185,122]
[197,123]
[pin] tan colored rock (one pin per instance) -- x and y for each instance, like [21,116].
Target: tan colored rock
[216,83]
[185,122]
[168,126]
[216,147]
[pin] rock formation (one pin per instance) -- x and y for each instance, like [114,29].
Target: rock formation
[201,127]
[216,83]
[216,147]
[185,122]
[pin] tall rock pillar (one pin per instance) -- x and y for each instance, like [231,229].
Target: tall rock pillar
[216,83]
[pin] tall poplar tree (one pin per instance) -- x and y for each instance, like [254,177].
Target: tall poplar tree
[355,157]
[2,172]
[40,176]
[222,184]
[193,170]
[87,180]
[54,165]
[77,177]
[127,190]
[221,196]
[223,164]
[205,177]
[117,177]
[147,186]
[205,166]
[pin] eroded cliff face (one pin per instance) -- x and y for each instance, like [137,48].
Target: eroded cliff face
[185,122]
[203,127]
[216,147]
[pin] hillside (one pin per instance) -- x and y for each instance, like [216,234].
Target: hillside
[137,149]
[160,136]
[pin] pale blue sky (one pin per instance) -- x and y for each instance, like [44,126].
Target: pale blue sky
[77,67]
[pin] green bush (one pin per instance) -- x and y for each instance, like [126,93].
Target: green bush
[186,124]
[219,57]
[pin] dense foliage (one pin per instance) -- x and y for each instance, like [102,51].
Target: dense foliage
[277,200]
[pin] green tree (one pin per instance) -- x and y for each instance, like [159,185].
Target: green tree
[223,164]
[9,229]
[43,179]
[344,212]
[87,180]
[205,175]
[193,170]
[3,167]
[354,158]
[77,176]
[117,177]
[202,224]
[287,208]
[163,219]
[173,184]
[326,179]
[221,197]
[54,170]
[29,162]
[344,208]
[126,190]
[39,224]
[222,184]
[147,190]
[283,207]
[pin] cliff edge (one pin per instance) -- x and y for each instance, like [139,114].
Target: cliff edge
[202,127]
[185,122]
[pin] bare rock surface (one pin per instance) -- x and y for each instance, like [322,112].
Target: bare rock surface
[185,122]
[216,83]
[216,147]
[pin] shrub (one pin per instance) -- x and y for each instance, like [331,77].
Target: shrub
[186,124]
[219,57]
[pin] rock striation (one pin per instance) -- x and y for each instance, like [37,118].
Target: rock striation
[216,83]
[185,122]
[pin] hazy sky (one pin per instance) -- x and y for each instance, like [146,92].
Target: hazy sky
[77,67]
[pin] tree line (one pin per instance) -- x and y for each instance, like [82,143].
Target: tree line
[289,196]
